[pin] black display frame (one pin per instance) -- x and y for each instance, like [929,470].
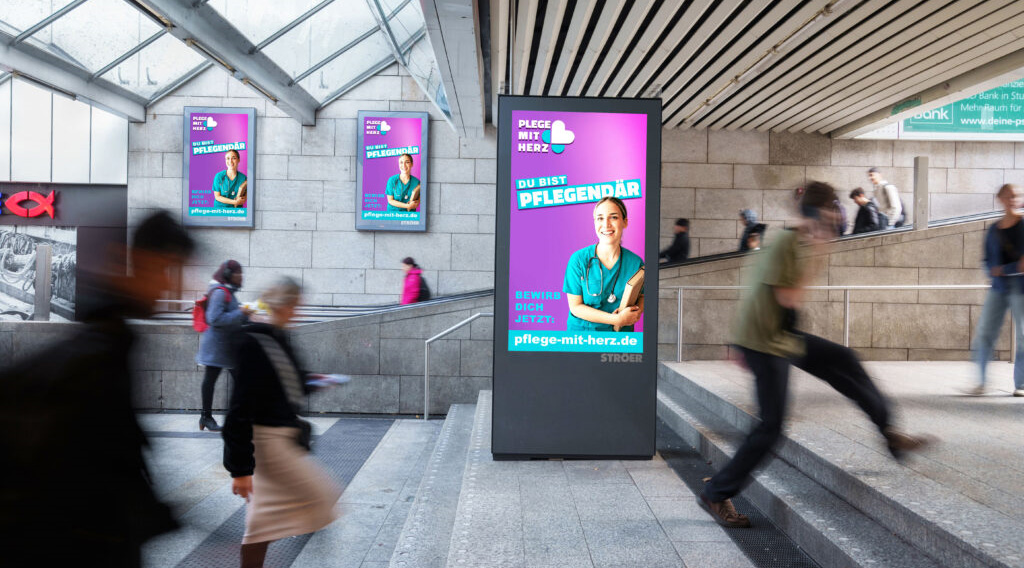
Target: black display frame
[575,405]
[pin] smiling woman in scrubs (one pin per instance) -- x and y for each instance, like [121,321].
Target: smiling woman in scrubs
[229,185]
[403,188]
[596,276]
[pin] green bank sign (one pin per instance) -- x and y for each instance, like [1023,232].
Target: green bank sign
[996,111]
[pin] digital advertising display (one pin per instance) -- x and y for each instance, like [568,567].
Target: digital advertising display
[218,166]
[391,171]
[578,199]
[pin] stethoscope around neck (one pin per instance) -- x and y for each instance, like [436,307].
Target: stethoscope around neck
[586,276]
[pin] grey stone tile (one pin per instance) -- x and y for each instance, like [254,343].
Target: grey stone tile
[610,502]
[630,543]
[593,471]
[712,555]
[684,521]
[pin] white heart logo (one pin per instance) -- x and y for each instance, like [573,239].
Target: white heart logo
[384,126]
[559,135]
[210,123]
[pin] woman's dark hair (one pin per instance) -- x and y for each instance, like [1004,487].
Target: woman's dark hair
[400,156]
[616,202]
[1005,188]
[226,270]
[856,193]
[161,234]
[237,155]
[408,260]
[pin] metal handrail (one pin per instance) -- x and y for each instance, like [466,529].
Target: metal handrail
[846,305]
[426,357]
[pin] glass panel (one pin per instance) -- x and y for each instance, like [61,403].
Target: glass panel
[346,67]
[260,19]
[70,141]
[20,15]
[406,22]
[326,32]
[30,126]
[96,33]
[5,130]
[422,65]
[158,65]
[110,148]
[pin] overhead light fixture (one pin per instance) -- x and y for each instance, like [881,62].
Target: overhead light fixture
[260,89]
[191,42]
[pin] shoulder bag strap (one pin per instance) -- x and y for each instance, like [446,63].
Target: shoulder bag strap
[284,368]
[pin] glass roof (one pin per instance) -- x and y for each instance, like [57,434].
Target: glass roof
[325,46]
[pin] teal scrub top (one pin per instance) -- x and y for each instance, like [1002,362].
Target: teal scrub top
[401,191]
[226,187]
[584,277]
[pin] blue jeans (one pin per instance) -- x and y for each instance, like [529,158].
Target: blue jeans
[991,320]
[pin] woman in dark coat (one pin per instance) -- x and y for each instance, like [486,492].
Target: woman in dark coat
[225,316]
[266,444]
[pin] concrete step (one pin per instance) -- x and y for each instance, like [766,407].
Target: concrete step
[819,460]
[427,531]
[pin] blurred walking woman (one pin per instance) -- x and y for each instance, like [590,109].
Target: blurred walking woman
[1004,247]
[266,444]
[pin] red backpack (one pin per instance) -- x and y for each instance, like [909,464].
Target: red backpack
[199,310]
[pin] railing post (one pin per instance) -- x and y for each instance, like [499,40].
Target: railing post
[43,283]
[679,325]
[426,380]
[846,317]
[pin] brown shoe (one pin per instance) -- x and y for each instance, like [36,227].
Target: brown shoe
[900,443]
[724,513]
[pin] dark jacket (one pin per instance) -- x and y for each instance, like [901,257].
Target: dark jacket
[225,316]
[679,250]
[74,484]
[993,257]
[750,226]
[258,397]
[867,219]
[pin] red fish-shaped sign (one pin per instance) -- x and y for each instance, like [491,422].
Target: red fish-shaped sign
[43,204]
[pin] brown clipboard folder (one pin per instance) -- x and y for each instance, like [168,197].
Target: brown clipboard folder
[631,293]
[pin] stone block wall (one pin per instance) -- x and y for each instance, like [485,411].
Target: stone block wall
[884,325]
[709,175]
[305,197]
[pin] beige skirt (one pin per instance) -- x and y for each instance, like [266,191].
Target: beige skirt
[292,494]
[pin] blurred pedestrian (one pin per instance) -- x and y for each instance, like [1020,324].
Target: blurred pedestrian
[266,444]
[225,315]
[680,248]
[766,334]
[1004,249]
[749,219]
[867,219]
[888,199]
[74,488]
[414,287]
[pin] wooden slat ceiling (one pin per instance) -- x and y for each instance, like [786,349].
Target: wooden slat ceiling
[783,65]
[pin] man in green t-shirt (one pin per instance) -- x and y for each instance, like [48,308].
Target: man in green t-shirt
[765,332]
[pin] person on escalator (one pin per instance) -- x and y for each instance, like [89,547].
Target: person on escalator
[414,287]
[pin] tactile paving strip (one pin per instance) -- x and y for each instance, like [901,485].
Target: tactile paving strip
[764,544]
[342,450]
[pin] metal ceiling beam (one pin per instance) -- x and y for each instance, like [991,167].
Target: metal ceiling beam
[900,37]
[455,40]
[385,28]
[210,34]
[124,57]
[292,25]
[526,21]
[907,73]
[376,68]
[596,44]
[49,70]
[499,54]
[647,41]
[581,15]
[997,73]
[548,41]
[636,18]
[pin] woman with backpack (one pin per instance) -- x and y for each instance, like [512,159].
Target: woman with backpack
[414,289]
[225,316]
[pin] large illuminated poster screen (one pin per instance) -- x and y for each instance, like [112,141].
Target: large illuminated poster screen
[219,163]
[569,243]
[391,173]
[576,277]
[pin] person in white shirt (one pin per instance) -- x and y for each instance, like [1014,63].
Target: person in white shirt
[888,199]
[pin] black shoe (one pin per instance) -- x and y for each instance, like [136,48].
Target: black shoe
[901,443]
[206,422]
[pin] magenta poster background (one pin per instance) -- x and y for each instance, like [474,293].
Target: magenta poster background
[385,138]
[210,135]
[606,147]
